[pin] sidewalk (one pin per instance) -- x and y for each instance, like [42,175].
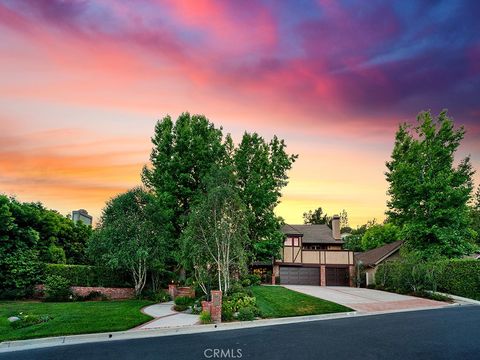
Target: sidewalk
[165,317]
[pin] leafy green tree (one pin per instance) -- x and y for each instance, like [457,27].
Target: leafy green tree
[379,235]
[261,170]
[130,235]
[428,194]
[353,241]
[20,267]
[217,233]
[183,154]
[57,255]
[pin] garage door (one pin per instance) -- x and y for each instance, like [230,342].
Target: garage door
[299,276]
[337,276]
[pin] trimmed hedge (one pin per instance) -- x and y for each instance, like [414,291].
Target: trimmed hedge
[457,276]
[86,275]
[462,278]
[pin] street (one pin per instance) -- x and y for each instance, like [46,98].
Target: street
[449,333]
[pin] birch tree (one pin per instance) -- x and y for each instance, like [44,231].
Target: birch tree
[216,235]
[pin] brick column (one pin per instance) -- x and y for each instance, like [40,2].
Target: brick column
[172,290]
[206,306]
[323,279]
[351,272]
[216,306]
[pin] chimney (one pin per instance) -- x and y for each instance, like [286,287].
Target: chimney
[336,227]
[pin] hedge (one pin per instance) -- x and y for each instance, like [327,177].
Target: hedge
[462,278]
[86,275]
[457,276]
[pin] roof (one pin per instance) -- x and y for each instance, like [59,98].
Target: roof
[311,234]
[375,256]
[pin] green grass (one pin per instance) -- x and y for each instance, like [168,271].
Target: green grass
[277,301]
[72,317]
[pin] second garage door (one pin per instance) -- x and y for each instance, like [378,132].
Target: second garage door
[299,276]
[337,276]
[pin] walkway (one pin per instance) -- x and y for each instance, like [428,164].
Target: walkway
[165,317]
[366,300]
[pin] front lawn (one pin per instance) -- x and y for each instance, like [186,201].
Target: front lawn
[69,318]
[277,301]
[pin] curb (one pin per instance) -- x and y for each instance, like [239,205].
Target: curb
[18,345]
[460,298]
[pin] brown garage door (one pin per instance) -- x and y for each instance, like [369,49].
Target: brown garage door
[337,276]
[290,275]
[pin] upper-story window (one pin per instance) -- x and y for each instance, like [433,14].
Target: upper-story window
[289,241]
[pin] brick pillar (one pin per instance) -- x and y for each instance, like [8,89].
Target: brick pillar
[206,306]
[351,272]
[216,306]
[323,279]
[275,273]
[172,290]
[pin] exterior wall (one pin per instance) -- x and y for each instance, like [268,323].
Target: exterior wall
[337,257]
[370,276]
[111,293]
[295,255]
[311,257]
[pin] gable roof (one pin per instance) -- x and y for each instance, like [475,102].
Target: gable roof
[375,256]
[311,234]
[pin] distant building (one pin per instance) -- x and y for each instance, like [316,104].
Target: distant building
[82,215]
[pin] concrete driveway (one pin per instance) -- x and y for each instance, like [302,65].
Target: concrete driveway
[366,300]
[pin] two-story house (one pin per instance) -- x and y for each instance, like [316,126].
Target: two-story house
[313,255]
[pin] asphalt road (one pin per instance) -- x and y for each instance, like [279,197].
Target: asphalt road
[451,333]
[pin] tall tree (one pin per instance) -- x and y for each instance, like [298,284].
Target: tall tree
[261,170]
[182,156]
[130,236]
[428,194]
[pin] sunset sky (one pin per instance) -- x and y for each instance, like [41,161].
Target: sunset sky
[82,84]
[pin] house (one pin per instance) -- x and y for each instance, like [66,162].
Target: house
[370,260]
[313,255]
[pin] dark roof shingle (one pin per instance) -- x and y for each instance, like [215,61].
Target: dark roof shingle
[374,256]
[311,234]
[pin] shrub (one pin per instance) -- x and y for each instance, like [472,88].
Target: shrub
[91,296]
[57,288]
[182,303]
[246,282]
[227,311]
[235,287]
[458,276]
[462,278]
[246,314]
[251,280]
[205,317]
[29,320]
[161,296]
[56,255]
[20,270]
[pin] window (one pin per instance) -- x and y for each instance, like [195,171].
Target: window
[288,241]
[295,241]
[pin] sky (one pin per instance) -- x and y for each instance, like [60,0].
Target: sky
[83,82]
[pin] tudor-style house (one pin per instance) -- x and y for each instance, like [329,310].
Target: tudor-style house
[313,255]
